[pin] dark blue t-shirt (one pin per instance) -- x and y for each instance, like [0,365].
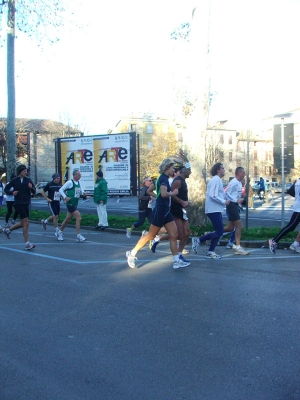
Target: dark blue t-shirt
[163,181]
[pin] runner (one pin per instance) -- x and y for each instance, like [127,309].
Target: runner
[53,200]
[23,188]
[161,216]
[71,192]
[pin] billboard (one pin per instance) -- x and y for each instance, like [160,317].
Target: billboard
[114,155]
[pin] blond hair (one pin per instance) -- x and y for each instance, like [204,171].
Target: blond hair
[165,164]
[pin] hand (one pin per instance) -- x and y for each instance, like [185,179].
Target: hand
[227,202]
[30,185]
[185,204]
[174,192]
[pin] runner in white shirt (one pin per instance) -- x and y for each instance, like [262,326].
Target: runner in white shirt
[233,193]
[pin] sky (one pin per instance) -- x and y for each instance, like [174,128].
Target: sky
[121,62]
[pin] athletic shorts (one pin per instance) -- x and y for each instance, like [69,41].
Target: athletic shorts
[161,215]
[54,206]
[22,210]
[233,211]
[71,209]
[177,212]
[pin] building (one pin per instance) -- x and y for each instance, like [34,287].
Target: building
[35,145]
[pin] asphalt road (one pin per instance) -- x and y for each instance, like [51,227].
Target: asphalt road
[77,323]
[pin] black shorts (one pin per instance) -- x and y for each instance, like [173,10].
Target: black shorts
[22,210]
[177,212]
[71,208]
[54,206]
[233,211]
[161,215]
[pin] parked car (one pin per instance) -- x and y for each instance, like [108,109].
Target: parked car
[39,187]
[276,187]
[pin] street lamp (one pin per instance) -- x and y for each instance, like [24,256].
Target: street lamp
[282,116]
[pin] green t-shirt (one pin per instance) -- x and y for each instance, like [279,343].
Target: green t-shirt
[74,194]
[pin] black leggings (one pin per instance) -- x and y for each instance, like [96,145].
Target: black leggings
[294,221]
[9,205]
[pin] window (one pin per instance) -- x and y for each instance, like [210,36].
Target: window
[221,139]
[230,139]
[230,156]
[221,155]
[149,128]
[268,171]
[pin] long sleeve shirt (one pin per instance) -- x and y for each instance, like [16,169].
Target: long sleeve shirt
[215,200]
[233,191]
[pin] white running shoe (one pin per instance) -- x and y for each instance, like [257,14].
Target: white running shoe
[184,251]
[180,264]
[144,233]
[29,246]
[56,232]
[293,247]
[229,245]
[195,244]
[240,251]
[128,233]
[130,259]
[1,229]
[60,236]
[80,238]
[7,233]
[212,255]
[272,246]
[297,249]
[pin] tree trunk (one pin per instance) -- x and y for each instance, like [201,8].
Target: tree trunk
[11,95]
[194,136]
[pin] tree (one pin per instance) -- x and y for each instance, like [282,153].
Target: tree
[163,146]
[39,19]
[193,103]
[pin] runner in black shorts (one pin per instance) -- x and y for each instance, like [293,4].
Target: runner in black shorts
[53,199]
[161,215]
[23,187]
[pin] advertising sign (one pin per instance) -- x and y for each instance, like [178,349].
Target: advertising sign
[111,154]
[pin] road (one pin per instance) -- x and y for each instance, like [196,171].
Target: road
[266,214]
[77,323]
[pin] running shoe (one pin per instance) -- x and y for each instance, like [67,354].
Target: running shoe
[130,259]
[180,264]
[80,238]
[150,244]
[155,243]
[229,245]
[1,229]
[240,251]
[272,246]
[297,249]
[144,233]
[60,236]
[183,259]
[184,251]
[293,247]
[128,233]
[212,255]
[29,246]
[13,221]
[7,233]
[44,224]
[195,244]
[56,233]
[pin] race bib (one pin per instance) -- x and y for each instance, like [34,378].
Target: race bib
[56,196]
[77,193]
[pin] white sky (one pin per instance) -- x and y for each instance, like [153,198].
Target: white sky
[122,62]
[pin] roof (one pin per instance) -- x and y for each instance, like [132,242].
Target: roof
[24,125]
